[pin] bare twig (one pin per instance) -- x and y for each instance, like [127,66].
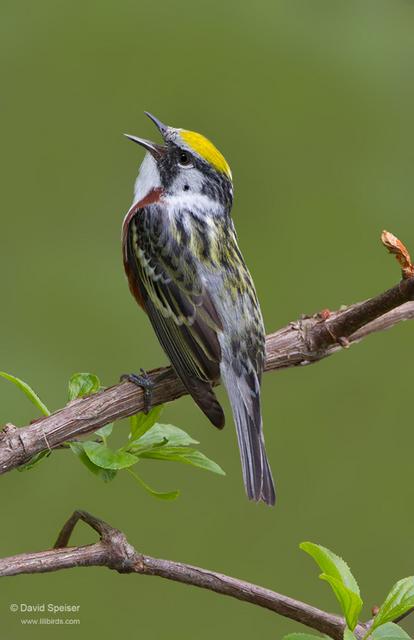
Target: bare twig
[303,342]
[114,551]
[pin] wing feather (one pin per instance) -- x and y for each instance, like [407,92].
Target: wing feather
[180,310]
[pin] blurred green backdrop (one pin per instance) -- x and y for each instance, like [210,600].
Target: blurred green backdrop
[312,104]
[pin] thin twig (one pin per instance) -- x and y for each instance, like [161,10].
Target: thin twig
[114,551]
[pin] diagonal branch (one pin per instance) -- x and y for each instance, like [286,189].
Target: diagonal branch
[302,342]
[308,340]
[114,551]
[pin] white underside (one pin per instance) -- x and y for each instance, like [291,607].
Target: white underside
[148,178]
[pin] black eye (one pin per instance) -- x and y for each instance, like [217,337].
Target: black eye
[184,159]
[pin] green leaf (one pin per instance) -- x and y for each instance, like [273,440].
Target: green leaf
[184,455]
[351,603]
[142,422]
[161,435]
[169,495]
[33,462]
[105,474]
[331,564]
[28,391]
[198,459]
[104,457]
[399,600]
[338,574]
[348,635]
[83,384]
[105,432]
[389,631]
[168,442]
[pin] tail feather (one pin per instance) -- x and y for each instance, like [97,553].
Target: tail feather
[268,490]
[245,402]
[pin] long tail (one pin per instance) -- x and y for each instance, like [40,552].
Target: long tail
[244,395]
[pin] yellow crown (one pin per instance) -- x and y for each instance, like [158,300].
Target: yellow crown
[206,149]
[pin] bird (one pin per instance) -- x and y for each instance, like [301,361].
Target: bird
[185,269]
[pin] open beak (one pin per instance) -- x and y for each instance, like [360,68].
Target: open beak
[157,150]
[162,128]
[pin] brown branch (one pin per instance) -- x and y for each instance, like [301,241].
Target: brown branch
[114,551]
[303,342]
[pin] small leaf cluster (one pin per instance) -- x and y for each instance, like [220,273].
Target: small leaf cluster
[147,439]
[336,572]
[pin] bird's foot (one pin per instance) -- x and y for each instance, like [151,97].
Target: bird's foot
[144,382]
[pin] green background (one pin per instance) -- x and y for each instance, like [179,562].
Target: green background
[312,104]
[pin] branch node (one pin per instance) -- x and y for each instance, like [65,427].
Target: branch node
[344,342]
[323,315]
[9,429]
[120,555]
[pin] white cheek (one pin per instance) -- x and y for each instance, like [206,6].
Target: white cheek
[188,177]
[148,178]
[192,197]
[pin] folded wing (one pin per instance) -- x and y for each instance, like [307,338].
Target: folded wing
[165,281]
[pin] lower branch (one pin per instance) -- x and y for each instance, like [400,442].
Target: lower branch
[114,551]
